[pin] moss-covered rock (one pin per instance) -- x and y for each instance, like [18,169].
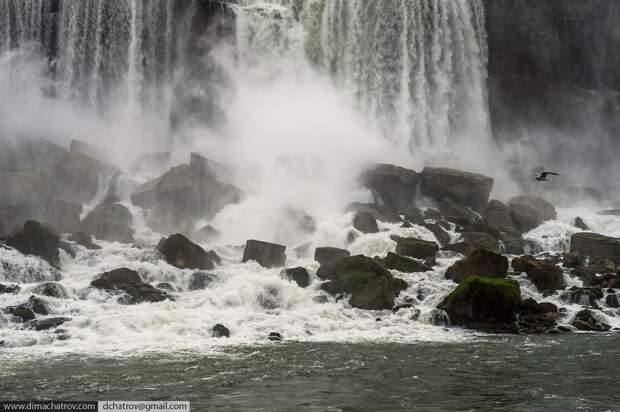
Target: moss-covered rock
[484,303]
[480,263]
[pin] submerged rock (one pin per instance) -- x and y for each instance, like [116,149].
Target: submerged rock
[265,253]
[49,323]
[298,275]
[51,289]
[129,282]
[484,303]
[34,239]
[179,251]
[544,275]
[275,337]
[595,245]
[365,222]
[464,188]
[327,255]
[370,284]
[480,263]
[583,296]
[111,222]
[200,281]
[416,248]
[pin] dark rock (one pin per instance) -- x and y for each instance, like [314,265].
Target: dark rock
[37,240]
[594,244]
[519,246]
[220,331]
[537,317]
[543,275]
[529,212]
[200,281]
[327,255]
[34,304]
[370,284]
[298,275]
[383,213]
[365,222]
[165,286]
[586,320]
[583,296]
[455,213]
[497,216]
[12,289]
[483,303]
[179,251]
[439,317]
[413,215]
[49,323]
[129,282]
[266,254]
[112,223]
[416,248]
[275,337]
[51,289]
[441,234]
[612,301]
[480,263]
[403,264]
[186,194]
[467,189]
[401,307]
[391,185]
[580,224]
[473,241]
[24,313]
[84,239]
[432,214]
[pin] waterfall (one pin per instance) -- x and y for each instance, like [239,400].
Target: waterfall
[417,68]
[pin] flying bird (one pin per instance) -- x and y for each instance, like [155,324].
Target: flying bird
[544,176]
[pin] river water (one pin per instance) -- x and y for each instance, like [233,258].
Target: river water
[533,373]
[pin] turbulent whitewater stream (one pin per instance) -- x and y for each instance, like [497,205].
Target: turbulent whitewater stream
[291,100]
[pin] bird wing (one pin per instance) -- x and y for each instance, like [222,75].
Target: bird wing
[545,174]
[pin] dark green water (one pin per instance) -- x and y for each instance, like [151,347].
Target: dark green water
[563,373]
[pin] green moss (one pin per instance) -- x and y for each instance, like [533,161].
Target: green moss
[504,289]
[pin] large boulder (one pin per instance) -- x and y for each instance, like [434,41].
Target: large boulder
[544,275]
[480,263]
[129,281]
[595,245]
[535,317]
[109,222]
[473,241]
[200,281]
[484,303]
[467,189]
[390,185]
[416,248]
[326,255]
[528,212]
[403,264]
[179,251]
[265,253]
[497,217]
[365,222]
[35,239]
[299,275]
[371,285]
[587,320]
[186,194]
[59,215]
[455,213]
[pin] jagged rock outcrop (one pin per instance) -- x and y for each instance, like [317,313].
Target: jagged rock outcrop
[110,222]
[465,188]
[185,194]
[35,239]
[480,263]
[265,253]
[545,276]
[179,251]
